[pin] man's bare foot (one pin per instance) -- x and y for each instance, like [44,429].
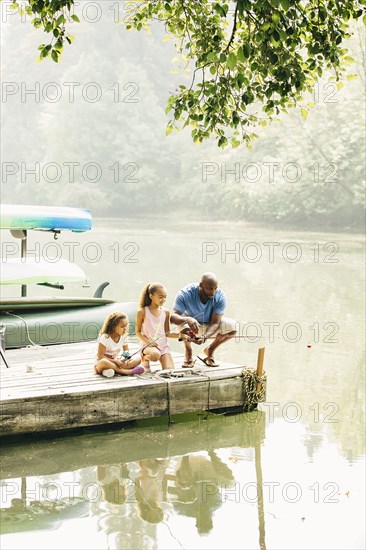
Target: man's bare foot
[207,351]
[209,360]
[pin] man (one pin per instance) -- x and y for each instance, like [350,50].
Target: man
[199,307]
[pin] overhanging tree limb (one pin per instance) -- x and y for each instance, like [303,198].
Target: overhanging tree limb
[255,71]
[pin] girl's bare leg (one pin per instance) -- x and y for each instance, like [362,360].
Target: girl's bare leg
[105,364]
[131,363]
[145,362]
[166,361]
[150,354]
[119,370]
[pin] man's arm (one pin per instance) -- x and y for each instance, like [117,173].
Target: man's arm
[213,325]
[179,319]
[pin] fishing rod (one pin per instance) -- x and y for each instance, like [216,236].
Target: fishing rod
[125,356]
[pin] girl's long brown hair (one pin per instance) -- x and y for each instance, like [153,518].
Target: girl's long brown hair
[150,288]
[112,321]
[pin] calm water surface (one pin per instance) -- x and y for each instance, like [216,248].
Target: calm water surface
[289,476]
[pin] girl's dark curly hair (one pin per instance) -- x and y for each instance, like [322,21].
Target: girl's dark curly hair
[112,321]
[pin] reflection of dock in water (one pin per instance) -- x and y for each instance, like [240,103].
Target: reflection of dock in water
[55,388]
[175,469]
[144,442]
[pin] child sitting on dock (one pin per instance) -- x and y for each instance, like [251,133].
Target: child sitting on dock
[153,327]
[111,342]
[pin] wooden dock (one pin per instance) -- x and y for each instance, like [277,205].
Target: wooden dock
[54,388]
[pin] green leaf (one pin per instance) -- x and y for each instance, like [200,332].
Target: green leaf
[231,62]
[240,80]
[59,45]
[221,9]
[274,41]
[60,20]
[285,4]
[54,56]
[222,142]
[246,50]
[75,18]
[240,54]
[168,130]
[304,113]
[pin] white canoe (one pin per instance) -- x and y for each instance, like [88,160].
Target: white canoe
[23,271]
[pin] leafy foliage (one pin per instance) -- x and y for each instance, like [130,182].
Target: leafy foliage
[250,63]
[328,147]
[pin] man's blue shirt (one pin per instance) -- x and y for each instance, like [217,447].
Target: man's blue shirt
[188,303]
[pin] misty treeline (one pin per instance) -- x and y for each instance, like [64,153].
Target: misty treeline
[91,132]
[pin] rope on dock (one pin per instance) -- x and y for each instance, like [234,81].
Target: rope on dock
[254,387]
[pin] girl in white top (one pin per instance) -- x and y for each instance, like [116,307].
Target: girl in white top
[111,342]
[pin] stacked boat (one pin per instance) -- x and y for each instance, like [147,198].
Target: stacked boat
[50,319]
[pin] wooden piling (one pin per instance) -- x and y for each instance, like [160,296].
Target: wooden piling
[260,360]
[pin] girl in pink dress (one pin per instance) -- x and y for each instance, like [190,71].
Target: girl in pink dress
[153,326]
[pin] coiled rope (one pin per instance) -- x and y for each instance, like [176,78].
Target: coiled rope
[254,387]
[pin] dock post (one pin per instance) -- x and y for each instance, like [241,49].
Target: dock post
[260,361]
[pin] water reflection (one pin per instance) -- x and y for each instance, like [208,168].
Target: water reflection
[197,480]
[151,489]
[112,481]
[125,497]
[30,511]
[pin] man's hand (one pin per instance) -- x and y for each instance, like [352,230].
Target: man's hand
[193,324]
[199,340]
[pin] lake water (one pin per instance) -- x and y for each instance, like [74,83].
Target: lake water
[288,476]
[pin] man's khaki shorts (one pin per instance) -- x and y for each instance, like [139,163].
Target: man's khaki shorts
[226,325]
